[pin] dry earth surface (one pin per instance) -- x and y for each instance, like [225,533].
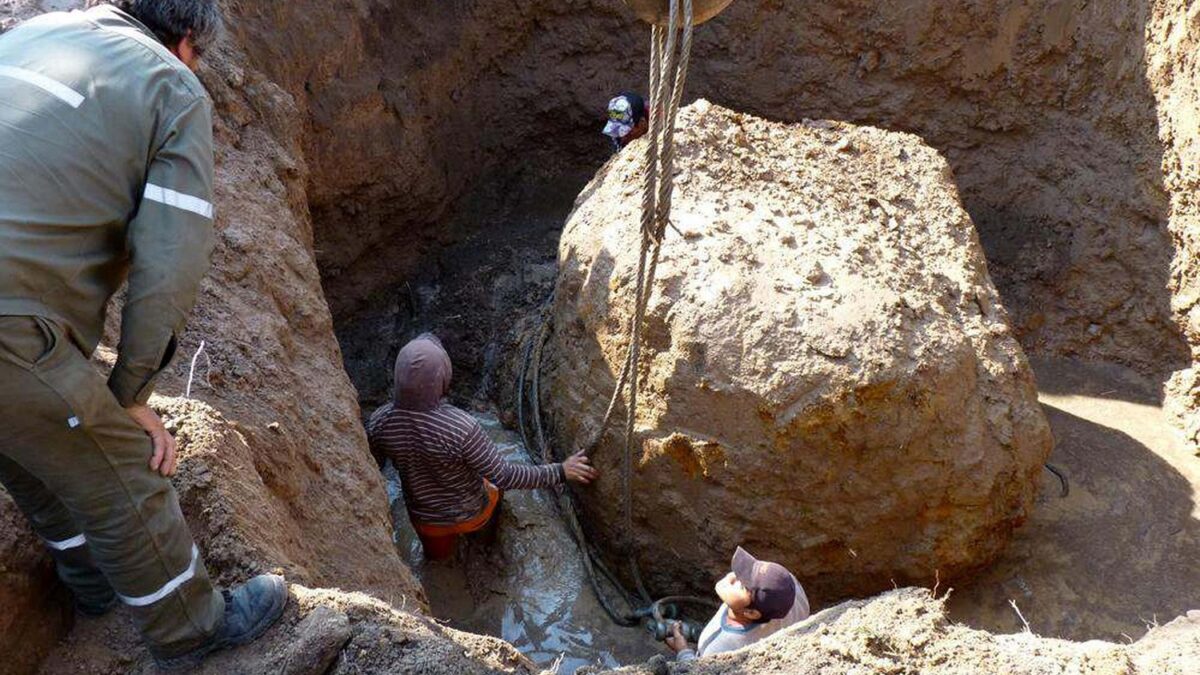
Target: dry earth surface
[907,631]
[395,152]
[1130,520]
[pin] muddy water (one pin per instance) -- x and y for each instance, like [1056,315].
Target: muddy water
[528,588]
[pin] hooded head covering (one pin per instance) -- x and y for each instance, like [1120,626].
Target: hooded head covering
[423,374]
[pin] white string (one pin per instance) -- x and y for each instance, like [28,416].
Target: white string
[192,372]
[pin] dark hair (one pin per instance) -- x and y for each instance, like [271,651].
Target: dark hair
[173,20]
[638,105]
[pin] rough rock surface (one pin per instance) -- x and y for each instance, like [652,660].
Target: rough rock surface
[906,631]
[829,377]
[1173,42]
[362,633]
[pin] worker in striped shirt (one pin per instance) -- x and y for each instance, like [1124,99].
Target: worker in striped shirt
[452,475]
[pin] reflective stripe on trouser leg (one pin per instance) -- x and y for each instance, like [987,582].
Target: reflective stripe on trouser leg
[130,515]
[168,588]
[68,544]
[54,524]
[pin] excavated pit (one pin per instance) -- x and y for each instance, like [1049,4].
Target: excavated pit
[447,219]
[428,153]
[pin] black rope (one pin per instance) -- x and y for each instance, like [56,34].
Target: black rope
[1062,478]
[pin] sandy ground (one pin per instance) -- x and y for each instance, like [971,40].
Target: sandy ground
[529,588]
[1118,554]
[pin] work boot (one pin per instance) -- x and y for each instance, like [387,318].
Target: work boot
[250,609]
[94,609]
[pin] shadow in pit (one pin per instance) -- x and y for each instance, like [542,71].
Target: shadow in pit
[1116,556]
[1098,380]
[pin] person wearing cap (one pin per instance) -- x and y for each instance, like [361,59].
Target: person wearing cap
[452,474]
[627,119]
[758,599]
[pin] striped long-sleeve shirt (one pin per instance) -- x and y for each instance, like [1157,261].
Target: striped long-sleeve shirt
[443,457]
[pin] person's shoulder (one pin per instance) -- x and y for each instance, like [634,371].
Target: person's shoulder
[382,412]
[160,62]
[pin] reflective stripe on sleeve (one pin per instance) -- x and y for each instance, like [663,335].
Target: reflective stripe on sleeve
[168,589]
[58,89]
[67,544]
[179,200]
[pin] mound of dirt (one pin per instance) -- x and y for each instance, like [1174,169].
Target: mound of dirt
[829,377]
[323,632]
[906,631]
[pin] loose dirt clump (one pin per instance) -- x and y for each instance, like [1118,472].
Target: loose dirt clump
[829,378]
[906,631]
[36,609]
[323,632]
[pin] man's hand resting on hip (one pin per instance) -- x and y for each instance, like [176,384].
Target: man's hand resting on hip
[164,460]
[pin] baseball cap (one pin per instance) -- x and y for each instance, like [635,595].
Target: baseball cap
[772,588]
[624,112]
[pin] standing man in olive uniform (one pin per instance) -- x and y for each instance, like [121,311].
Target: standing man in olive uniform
[106,174]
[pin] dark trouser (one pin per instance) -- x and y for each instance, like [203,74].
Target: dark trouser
[78,467]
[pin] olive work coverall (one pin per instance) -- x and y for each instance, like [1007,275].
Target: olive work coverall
[106,173]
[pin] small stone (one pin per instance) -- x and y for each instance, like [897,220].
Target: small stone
[274,426]
[318,641]
[1094,329]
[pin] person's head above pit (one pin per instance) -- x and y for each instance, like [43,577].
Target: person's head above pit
[759,598]
[188,28]
[627,119]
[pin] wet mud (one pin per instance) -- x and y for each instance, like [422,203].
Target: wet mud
[528,588]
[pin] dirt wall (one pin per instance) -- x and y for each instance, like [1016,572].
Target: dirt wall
[1173,41]
[1048,113]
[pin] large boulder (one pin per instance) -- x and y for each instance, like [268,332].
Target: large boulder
[829,378]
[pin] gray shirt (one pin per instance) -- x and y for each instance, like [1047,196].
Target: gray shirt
[106,173]
[722,636]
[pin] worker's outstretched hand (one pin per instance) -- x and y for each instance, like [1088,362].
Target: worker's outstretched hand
[675,640]
[578,469]
[164,459]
